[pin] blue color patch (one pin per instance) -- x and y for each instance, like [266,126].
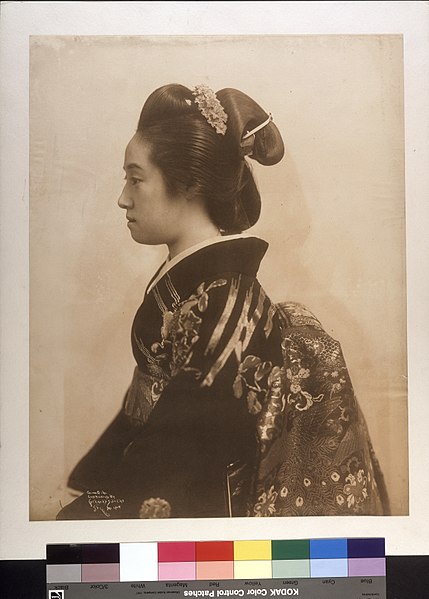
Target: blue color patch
[329,568]
[328,548]
[366,548]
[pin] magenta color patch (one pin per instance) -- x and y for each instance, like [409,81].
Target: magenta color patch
[176,571]
[100,572]
[371,566]
[176,552]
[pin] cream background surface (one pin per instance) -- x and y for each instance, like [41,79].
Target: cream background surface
[22,538]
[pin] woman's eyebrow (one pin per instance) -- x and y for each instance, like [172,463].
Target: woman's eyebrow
[132,165]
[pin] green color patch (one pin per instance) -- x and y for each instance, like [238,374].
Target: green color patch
[291,568]
[294,549]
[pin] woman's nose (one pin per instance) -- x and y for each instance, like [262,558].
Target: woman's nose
[124,200]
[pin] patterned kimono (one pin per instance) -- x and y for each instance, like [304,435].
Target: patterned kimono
[237,407]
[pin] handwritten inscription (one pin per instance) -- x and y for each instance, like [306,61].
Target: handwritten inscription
[104,502]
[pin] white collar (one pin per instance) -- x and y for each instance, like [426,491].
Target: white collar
[168,264]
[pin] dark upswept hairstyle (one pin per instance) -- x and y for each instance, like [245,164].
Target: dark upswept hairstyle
[194,158]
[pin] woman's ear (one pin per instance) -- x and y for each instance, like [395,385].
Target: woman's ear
[192,192]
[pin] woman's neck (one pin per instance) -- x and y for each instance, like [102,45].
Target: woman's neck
[198,231]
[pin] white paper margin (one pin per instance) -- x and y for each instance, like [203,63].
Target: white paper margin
[21,539]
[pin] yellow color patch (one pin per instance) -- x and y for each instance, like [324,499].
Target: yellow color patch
[252,569]
[252,550]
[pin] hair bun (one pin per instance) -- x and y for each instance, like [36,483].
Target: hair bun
[244,114]
[268,147]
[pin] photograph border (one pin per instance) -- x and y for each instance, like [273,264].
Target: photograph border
[24,539]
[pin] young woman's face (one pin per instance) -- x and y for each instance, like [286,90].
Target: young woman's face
[154,216]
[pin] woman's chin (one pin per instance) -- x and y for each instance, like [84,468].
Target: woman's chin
[135,233]
[139,237]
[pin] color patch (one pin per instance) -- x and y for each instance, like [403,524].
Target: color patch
[100,572]
[107,553]
[252,569]
[64,554]
[252,550]
[294,549]
[176,552]
[365,548]
[328,548]
[321,568]
[288,568]
[222,551]
[215,570]
[216,560]
[138,561]
[375,566]
[63,573]
[176,571]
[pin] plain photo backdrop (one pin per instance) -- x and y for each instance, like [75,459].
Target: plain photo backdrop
[333,213]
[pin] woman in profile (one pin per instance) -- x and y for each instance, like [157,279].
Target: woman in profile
[237,406]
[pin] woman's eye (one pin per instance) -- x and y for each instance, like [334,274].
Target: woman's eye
[133,180]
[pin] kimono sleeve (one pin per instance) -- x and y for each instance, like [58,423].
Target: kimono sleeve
[320,461]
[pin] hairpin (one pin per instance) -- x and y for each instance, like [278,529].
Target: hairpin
[210,108]
[259,127]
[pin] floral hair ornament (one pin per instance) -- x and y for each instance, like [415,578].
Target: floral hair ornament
[210,107]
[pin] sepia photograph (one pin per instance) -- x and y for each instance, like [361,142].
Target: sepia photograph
[218,320]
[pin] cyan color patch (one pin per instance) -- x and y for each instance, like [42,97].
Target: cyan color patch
[329,568]
[328,548]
